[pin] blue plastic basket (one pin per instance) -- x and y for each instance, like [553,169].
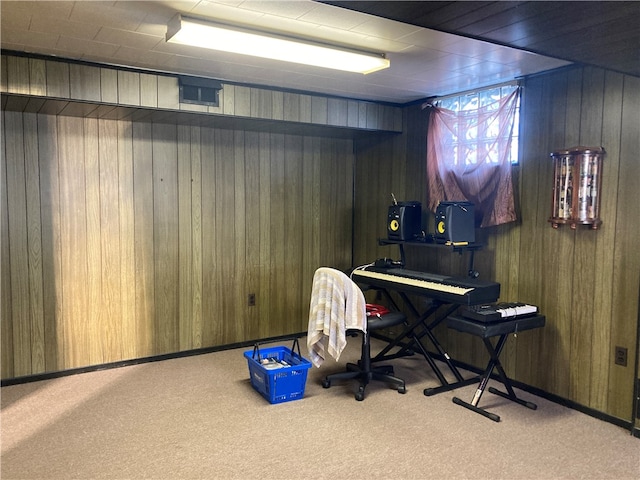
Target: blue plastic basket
[284,383]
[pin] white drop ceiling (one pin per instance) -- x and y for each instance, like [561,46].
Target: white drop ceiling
[424,62]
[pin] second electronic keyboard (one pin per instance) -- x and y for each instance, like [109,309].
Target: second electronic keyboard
[457,290]
[498,312]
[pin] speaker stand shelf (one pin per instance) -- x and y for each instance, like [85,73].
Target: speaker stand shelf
[456,248]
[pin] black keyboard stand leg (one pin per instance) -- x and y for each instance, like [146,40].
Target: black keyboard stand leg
[510,394]
[406,349]
[426,330]
[494,363]
[413,341]
[450,386]
[474,408]
[473,405]
[434,341]
[524,403]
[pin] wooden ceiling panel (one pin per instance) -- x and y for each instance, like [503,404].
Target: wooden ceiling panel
[479,17]
[605,34]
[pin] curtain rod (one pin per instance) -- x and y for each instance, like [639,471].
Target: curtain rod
[474,90]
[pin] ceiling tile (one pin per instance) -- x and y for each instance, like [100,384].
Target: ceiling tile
[286,9]
[85,50]
[424,62]
[125,37]
[106,14]
[69,28]
[379,27]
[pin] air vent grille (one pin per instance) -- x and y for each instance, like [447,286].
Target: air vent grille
[201,91]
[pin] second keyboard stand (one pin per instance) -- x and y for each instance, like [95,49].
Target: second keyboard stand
[500,329]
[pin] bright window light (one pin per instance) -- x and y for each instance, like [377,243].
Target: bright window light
[475,139]
[216,36]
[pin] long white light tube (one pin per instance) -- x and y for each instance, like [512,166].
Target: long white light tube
[214,36]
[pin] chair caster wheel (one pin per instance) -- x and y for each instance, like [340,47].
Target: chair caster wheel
[326,383]
[402,389]
[360,396]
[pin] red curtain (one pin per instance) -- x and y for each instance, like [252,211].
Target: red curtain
[468,159]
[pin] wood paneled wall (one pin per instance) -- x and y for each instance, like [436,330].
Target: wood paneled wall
[584,281]
[135,225]
[55,86]
[124,239]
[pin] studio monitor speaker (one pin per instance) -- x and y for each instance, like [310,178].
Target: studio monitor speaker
[404,221]
[455,222]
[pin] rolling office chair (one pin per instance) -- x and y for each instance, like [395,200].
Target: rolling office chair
[338,309]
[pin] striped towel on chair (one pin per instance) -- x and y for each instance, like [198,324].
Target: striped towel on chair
[337,305]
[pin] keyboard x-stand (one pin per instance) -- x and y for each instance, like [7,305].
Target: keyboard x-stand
[486,330]
[442,290]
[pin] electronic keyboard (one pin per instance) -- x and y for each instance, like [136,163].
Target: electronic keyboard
[456,290]
[499,311]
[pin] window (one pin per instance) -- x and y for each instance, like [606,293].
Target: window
[474,141]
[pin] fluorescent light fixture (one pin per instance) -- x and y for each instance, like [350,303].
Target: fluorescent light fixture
[226,38]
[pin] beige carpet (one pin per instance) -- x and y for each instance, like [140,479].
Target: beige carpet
[199,418]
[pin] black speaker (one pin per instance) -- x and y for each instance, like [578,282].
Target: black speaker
[404,221]
[455,222]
